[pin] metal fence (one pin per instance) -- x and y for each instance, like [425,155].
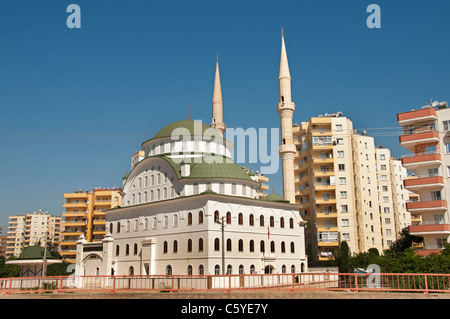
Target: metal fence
[356,282]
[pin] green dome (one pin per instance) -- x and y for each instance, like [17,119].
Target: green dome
[187,124]
[275,198]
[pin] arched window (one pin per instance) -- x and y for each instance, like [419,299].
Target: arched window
[175,246]
[111,228]
[166,221]
[201,270]
[228,218]
[282,222]
[139,198]
[216,215]
[175,220]
[155,222]
[145,223]
[152,195]
[293,269]
[127,250]
[135,250]
[136,225]
[169,270]
[216,244]
[292,247]
[189,247]
[118,227]
[251,220]
[261,246]
[217,270]
[146,181]
[200,244]
[272,221]
[131,271]
[241,269]
[165,193]
[165,247]
[252,246]
[291,223]
[261,220]
[117,250]
[241,245]
[228,244]
[158,194]
[145,197]
[152,179]
[283,269]
[127,228]
[133,199]
[200,217]
[272,246]
[229,270]
[283,247]
[240,219]
[252,269]
[189,270]
[189,219]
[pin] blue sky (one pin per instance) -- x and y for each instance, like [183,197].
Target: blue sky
[77,103]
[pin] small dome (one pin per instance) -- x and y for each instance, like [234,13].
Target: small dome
[191,126]
[275,198]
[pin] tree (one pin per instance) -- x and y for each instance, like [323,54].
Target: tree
[404,241]
[8,271]
[341,258]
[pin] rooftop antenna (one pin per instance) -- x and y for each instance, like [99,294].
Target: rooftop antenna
[187,112]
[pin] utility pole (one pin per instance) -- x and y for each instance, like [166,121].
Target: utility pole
[222,226]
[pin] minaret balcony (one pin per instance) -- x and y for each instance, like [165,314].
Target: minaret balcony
[286,106]
[287,148]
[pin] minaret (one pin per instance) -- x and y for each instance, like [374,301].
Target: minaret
[217,111]
[286,110]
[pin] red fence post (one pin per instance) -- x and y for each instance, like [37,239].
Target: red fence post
[426,284]
[356,282]
[113,290]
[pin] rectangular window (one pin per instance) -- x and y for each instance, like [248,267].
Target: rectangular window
[383,178]
[345,223]
[341,167]
[385,199]
[432,172]
[342,181]
[343,194]
[382,157]
[344,208]
[340,154]
[340,141]
[338,127]
[447,148]
[446,125]
[436,195]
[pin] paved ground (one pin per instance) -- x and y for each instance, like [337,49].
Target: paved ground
[255,295]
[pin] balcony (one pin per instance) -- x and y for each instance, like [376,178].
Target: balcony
[411,140]
[427,206]
[323,160]
[325,200]
[75,205]
[421,160]
[430,229]
[415,184]
[411,117]
[323,214]
[323,172]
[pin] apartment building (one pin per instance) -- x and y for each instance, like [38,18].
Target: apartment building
[426,134]
[85,215]
[30,229]
[347,188]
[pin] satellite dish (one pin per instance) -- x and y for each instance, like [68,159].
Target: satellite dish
[326,114]
[435,103]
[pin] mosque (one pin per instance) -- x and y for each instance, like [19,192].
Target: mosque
[189,209]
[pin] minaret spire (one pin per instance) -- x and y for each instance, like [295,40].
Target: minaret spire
[286,110]
[217,111]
